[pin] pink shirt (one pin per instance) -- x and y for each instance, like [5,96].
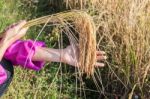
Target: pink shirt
[3,75]
[20,53]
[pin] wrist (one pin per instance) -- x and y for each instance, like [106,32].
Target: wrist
[6,41]
[56,55]
[4,44]
[62,55]
[3,48]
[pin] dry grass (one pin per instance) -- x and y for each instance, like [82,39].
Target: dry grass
[84,26]
[73,4]
[123,30]
[124,25]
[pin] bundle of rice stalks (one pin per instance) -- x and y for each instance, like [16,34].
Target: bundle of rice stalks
[84,26]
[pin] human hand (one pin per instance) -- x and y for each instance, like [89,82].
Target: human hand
[14,32]
[10,35]
[71,56]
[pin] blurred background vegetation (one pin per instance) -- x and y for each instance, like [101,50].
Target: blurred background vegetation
[123,31]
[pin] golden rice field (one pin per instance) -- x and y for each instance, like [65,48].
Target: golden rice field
[119,27]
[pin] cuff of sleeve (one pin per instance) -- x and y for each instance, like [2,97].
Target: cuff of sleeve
[21,53]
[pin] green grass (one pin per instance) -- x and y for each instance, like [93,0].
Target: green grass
[123,32]
[7,15]
[28,84]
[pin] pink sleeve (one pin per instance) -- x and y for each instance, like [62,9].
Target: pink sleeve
[21,53]
[3,75]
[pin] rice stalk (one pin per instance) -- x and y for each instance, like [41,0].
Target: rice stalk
[124,32]
[132,92]
[73,4]
[85,28]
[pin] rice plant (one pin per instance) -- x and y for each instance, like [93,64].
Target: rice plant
[122,30]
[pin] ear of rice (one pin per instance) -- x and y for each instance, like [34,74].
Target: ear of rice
[85,28]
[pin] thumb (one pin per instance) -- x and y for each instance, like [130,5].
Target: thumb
[21,24]
[23,31]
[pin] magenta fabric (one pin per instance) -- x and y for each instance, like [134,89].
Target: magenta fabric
[3,75]
[20,54]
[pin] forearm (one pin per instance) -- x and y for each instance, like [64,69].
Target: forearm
[48,54]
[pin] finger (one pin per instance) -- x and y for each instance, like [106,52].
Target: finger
[23,31]
[101,57]
[100,53]
[13,25]
[9,27]
[20,24]
[99,64]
